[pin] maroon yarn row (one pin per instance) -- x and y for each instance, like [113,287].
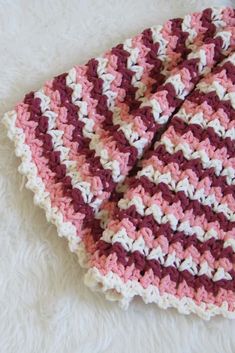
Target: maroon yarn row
[143,264]
[195,165]
[186,204]
[215,246]
[202,134]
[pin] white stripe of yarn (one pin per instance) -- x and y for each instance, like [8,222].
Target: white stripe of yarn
[89,132]
[132,245]
[207,162]
[162,218]
[72,168]
[158,254]
[201,120]
[193,193]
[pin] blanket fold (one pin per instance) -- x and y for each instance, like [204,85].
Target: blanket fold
[132,158]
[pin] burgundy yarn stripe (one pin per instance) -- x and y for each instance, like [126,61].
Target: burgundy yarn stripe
[229,68]
[102,108]
[195,165]
[54,158]
[143,264]
[142,270]
[97,93]
[173,197]
[95,166]
[202,134]
[59,84]
[213,100]
[176,29]
[207,22]
[215,246]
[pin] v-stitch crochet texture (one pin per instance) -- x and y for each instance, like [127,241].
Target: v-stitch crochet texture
[132,158]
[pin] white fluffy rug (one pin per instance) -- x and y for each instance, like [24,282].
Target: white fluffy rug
[44,305]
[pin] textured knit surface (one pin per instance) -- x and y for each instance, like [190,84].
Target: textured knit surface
[34,307]
[170,237]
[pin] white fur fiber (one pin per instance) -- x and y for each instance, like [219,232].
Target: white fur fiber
[44,304]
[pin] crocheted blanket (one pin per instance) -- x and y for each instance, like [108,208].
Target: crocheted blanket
[132,158]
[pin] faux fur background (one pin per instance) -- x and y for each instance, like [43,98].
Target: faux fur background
[44,305]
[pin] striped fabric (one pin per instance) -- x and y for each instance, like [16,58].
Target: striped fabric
[132,157]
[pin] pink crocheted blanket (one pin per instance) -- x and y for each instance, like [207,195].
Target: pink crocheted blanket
[132,157]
